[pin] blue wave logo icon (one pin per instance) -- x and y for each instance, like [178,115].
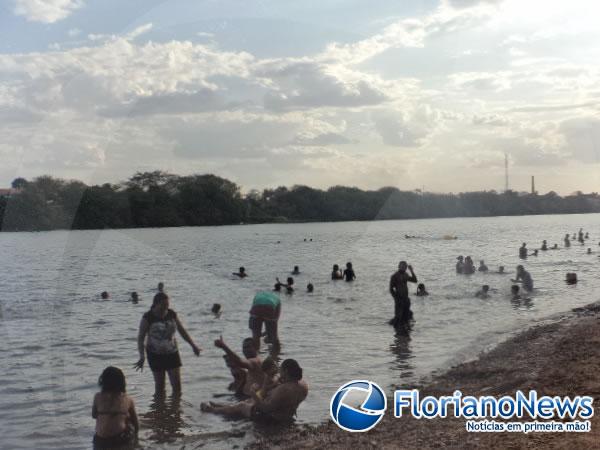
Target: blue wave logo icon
[358,406]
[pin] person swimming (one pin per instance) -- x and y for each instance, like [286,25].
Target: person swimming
[241,273]
[554,247]
[296,270]
[336,274]
[534,253]
[104,295]
[523,251]
[544,245]
[482,266]
[483,292]
[349,274]
[501,270]
[589,251]
[289,285]
[421,290]
[310,287]
[216,309]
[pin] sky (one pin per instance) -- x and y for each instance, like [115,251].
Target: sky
[417,95]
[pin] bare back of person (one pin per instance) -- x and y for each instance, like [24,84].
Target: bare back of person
[255,375]
[112,413]
[282,402]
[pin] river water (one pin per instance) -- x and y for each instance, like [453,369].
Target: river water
[57,335]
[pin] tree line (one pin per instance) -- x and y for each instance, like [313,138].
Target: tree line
[160,199]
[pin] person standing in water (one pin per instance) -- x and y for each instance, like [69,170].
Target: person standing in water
[567,241]
[523,251]
[336,274]
[349,274]
[580,236]
[266,309]
[469,267]
[399,290]
[460,264]
[117,423]
[544,245]
[157,332]
[524,278]
[482,267]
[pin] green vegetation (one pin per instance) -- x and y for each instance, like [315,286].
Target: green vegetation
[159,199]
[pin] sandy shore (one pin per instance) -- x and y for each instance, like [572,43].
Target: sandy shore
[560,358]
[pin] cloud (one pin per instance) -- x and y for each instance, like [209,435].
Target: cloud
[582,138]
[493,120]
[403,129]
[323,140]
[46,11]
[205,100]
[462,4]
[307,84]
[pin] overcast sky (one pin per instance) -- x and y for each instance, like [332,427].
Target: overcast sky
[282,92]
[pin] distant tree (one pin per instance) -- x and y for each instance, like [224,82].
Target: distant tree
[19,183]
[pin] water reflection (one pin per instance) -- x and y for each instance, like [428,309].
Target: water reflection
[164,419]
[400,347]
[522,303]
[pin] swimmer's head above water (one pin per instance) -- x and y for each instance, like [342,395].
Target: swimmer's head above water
[248,348]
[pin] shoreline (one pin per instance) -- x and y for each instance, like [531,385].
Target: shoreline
[293,222]
[560,358]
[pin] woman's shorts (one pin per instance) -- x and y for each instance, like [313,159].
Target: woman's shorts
[256,324]
[160,363]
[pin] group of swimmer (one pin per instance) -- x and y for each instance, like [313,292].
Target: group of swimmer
[270,392]
[580,236]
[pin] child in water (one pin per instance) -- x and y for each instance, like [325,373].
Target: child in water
[116,419]
[349,274]
[336,274]
[483,292]
[421,291]
[289,286]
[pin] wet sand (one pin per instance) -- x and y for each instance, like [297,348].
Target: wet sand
[560,358]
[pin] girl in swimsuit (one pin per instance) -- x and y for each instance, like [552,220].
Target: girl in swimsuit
[116,419]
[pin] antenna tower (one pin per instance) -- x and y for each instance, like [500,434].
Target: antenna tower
[505,172]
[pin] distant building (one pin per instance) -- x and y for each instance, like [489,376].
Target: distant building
[9,192]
